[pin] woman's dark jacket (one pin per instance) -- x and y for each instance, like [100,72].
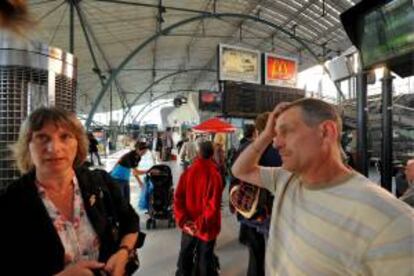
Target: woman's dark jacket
[29,243]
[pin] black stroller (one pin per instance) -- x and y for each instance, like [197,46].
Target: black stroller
[160,205]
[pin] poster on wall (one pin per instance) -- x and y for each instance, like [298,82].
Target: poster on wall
[280,70]
[239,64]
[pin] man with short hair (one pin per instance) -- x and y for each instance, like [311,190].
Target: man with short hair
[327,219]
[197,212]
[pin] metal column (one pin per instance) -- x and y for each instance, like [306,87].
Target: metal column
[362,130]
[386,153]
[71,27]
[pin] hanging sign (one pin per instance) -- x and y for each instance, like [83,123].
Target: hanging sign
[280,71]
[239,64]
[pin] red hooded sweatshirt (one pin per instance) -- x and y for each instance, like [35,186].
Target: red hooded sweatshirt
[198,198]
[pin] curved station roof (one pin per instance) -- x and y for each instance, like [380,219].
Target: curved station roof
[144,50]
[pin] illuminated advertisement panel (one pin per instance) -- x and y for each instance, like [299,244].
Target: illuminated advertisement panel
[239,64]
[280,71]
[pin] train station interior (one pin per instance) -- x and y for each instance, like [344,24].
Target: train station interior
[142,70]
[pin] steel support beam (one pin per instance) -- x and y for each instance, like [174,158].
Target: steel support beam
[152,6]
[88,42]
[71,27]
[386,152]
[157,105]
[159,97]
[362,129]
[157,82]
[179,24]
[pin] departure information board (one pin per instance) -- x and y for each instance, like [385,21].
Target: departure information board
[247,100]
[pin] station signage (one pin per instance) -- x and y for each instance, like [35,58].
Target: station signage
[239,64]
[280,70]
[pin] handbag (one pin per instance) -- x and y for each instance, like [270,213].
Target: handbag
[132,264]
[133,261]
[244,197]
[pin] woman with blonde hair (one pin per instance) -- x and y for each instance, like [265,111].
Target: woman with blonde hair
[219,155]
[59,218]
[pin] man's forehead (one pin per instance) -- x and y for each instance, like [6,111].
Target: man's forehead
[292,115]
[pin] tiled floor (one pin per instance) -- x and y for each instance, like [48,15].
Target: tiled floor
[159,255]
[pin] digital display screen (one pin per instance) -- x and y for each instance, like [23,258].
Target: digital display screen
[383,31]
[246,100]
[209,101]
[388,31]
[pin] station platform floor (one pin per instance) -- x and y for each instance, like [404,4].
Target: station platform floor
[159,255]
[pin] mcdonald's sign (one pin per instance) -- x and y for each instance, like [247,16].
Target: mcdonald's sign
[280,71]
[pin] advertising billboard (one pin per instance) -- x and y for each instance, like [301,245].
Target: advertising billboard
[280,71]
[239,64]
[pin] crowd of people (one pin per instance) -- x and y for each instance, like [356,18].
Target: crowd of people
[302,209]
[300,206]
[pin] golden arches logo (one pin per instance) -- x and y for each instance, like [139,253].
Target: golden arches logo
[279,67]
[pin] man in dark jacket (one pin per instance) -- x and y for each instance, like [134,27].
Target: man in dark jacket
[93,149]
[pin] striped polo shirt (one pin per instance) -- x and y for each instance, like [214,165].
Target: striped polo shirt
[351,228]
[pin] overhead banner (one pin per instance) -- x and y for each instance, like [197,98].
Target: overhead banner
[239,64]
[280,71]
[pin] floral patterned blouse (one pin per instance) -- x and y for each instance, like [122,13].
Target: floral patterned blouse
[78,237]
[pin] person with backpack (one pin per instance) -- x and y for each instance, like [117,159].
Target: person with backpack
[254,229]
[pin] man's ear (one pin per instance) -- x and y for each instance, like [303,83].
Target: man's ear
[329,130]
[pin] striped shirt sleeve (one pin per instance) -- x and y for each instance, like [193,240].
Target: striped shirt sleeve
[273,177]
[392,250]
